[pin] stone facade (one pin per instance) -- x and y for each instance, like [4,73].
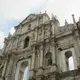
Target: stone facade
[44,46]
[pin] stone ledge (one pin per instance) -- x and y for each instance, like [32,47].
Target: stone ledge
[69,73]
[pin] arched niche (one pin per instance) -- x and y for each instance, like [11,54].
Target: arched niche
[48,59]
[68,54]
[21,68]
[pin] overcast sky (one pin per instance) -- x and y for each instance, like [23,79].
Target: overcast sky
[14,11]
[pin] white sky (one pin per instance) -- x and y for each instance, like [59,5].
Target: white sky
[19,9]
[1,39]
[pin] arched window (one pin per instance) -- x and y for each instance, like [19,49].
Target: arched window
[69,60]
[26,42]
[48,59]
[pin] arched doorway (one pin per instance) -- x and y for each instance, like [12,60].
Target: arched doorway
[22,72]
[26,73]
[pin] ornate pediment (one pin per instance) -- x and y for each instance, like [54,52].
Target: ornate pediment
[28,18]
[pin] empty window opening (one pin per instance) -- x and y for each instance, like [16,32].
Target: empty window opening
[71,63]
[26,42]
[26,74]
[69,60]
[24,71]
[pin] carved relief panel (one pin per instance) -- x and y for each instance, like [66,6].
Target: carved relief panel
[20,42]
[47,30]
[15,42]
[9,45]
[66,43]
[40,33]
[18,30]
[33,35]
[24,28]
[47,47]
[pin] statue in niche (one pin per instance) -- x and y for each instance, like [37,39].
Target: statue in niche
[48,59]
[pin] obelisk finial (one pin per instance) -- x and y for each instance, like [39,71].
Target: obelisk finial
[74,21]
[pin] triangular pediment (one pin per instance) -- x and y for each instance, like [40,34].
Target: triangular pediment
[30,17]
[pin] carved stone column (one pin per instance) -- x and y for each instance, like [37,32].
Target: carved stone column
[77,51]
[4,69]
[9,68]
[40,69]
[41,60]
[53,49]
[33,58]
[32,71]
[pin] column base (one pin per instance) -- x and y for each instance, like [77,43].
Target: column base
[41,77]
[32,78]
[78,68]
[2,78]
[32,73]
[50,76]
[39,71]
[50,69]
